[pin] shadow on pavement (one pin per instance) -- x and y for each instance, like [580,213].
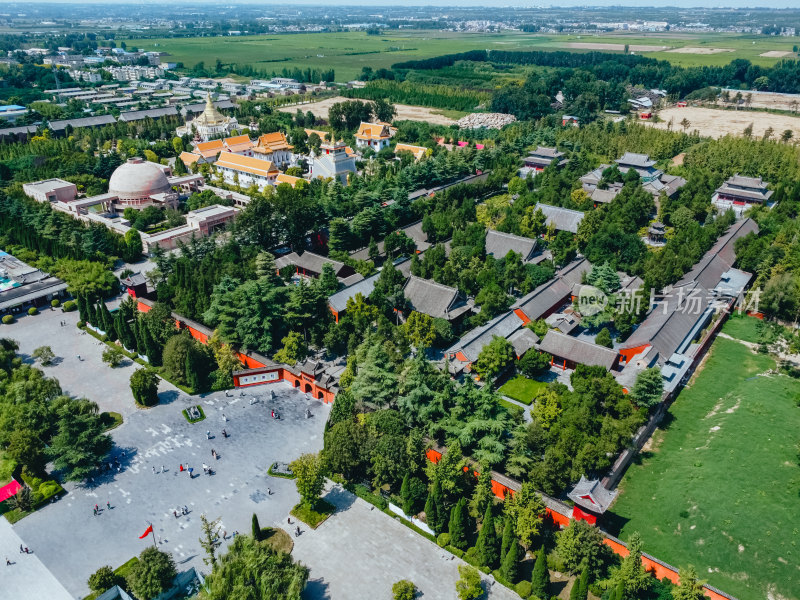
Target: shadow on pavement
[316,589]
[340,498]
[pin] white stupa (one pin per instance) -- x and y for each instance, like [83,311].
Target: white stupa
[209,124]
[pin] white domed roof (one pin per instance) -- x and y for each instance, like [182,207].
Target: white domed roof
[137,179]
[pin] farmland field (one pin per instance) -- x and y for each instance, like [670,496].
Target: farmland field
[348,52]
[718,489]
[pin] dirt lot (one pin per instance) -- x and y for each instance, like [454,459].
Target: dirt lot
[690,50]
[717,123]
[404,112]
[790,102]
[619,47]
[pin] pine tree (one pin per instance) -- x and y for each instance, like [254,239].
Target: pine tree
[256,528]
[458,526]
[136,329]
[487,548]
[508,536]
[510,566]
[540,578]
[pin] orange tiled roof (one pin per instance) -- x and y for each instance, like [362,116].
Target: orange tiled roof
[284,178]
[212,145]
[189,158]
[373,131]
[237,139]
[247,164]
[270,142]
[417,151]
[323,135]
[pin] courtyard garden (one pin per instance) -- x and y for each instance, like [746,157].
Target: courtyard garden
[522,388]
[717,487]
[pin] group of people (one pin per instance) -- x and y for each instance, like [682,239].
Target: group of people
[98,510]
[183,511]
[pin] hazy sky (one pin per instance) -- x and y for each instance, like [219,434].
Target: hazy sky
[439,3]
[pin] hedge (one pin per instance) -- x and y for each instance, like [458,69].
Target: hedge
[69,306]
[33,311]
[8,319]
[55,302]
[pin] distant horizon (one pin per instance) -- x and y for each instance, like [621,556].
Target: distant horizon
[708,4]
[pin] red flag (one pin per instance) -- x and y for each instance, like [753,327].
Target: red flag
[146,531]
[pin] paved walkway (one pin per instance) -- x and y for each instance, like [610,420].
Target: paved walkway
[526,408]
[26,577]
[359,552]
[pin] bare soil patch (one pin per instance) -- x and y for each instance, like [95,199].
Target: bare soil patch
[715,123]
[618,47]
[776,53]
[694,50]
[404,111]
[771,100]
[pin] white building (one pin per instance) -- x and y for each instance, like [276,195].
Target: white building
[374,135]
[245,171]
[333,161]
[209,124]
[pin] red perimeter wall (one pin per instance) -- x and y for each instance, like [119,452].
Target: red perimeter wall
[659,569]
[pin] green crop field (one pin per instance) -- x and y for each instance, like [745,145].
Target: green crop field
[719,488]
[348,52]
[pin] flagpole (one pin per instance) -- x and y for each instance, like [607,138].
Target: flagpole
[153,532]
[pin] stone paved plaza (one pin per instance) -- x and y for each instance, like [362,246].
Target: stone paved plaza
[359,552]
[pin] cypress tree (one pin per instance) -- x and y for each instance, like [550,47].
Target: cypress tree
[405,494]
[119,327]
[106,318]
[126,333]
[432,505]
[508,537]
[510,566]
[458,525]
[137,335]
[82,314]
[192,377]
[582,586]
[540,578]
[151,349]
[256,528]
[487,548]
[91,317]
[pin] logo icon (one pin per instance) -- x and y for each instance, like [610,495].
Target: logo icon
[591,300]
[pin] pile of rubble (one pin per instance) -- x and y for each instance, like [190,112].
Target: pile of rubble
[488,120]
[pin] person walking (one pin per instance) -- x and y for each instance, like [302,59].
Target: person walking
[20,549]
[208,435]
[191,471]
[181,468]
[154,470]
[8,562]
[224,418]
[185,509]
[108,504]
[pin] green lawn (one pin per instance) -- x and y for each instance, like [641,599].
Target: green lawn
[348,52]
[720,489]
[521,388]
[743,328]
[313,516]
